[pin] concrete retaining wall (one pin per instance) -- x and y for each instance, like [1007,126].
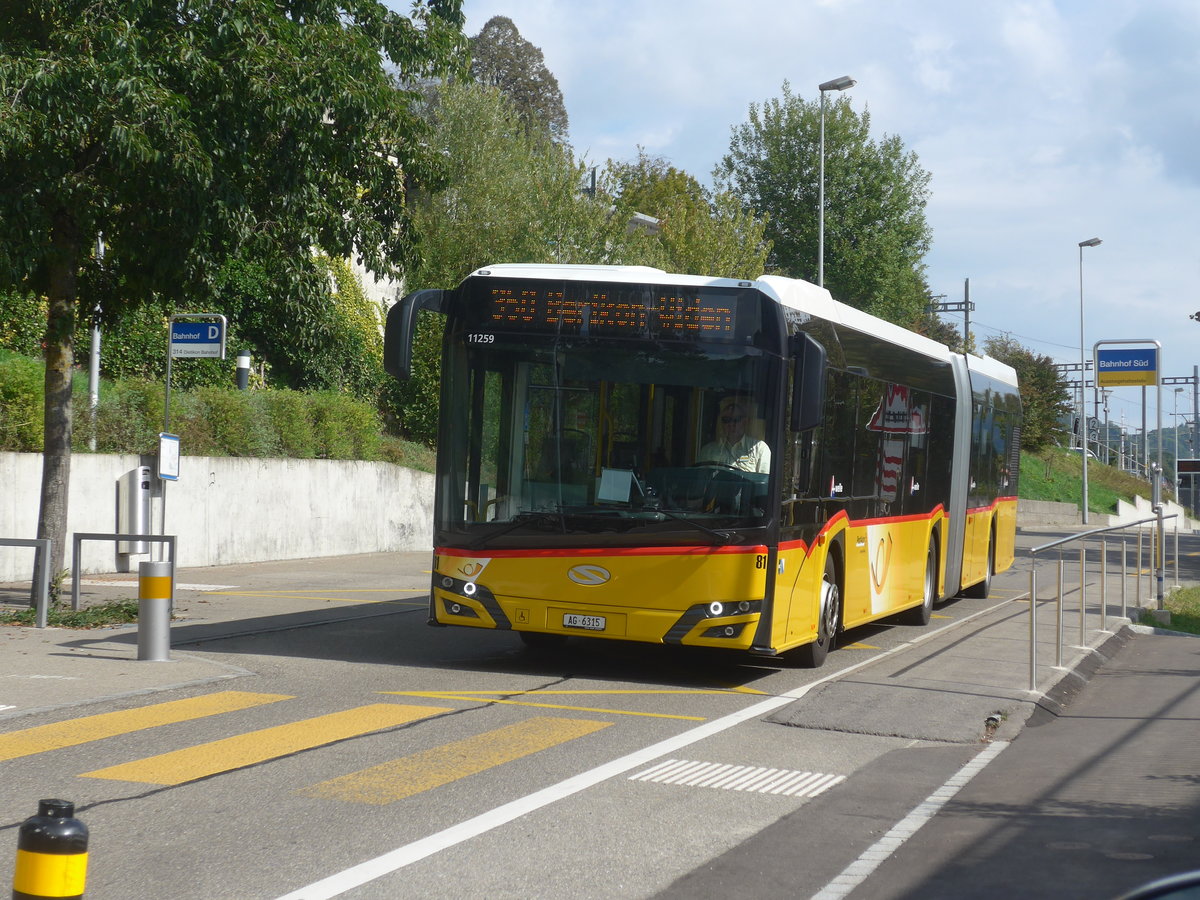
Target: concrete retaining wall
[227,510]
[1034,513]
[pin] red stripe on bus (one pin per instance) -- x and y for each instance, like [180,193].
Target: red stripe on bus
[698,550]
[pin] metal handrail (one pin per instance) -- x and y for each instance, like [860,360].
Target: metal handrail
[78,537]
[40,591]
[1156,550]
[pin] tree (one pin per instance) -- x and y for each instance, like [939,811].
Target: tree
[188,133]
[509,195]
[943,332]
[876,235]
[1044,397]
[501,58]
[700,234]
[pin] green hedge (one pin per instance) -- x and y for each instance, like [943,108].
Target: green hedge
[21,409]
[210,421]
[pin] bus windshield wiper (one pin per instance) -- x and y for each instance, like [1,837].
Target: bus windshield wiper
[725,537]
[650,513]
[554,519]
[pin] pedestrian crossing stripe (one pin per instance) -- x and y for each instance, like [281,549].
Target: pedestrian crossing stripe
[214,757]
[401,778]
[86,729]
[756,779]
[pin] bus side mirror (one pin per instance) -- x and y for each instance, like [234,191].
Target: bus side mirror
[808,382]
[401,328]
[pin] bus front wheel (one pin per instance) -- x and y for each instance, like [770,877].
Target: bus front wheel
[829,616]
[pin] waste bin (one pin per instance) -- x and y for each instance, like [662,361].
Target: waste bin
[133,509]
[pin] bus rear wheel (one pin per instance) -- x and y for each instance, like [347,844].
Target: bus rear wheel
[829,618]
[981,589]
[919,615]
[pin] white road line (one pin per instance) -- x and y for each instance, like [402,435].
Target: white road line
[756,779]
[397,859]
[858,871]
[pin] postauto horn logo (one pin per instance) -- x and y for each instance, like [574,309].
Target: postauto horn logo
[589,576]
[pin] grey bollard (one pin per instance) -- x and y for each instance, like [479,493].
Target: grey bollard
[154,610]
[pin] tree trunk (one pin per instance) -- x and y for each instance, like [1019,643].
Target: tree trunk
[60,358]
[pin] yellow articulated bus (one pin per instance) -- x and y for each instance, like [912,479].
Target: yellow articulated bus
[626,453]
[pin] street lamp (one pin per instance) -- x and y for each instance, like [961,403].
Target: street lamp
[836,84]
[1091,242]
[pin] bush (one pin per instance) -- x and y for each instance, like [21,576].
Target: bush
[288,413]
[210,421]
[22,322]
[222,422]
[409,454]
[21,403]
[344,428]
[128,418]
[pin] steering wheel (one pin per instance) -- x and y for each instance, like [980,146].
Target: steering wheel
[715,465]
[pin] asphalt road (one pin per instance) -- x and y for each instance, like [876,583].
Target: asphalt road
[361,753]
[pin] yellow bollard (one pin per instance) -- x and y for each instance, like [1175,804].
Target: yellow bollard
[51,854]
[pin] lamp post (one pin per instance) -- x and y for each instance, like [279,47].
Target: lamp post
[836,84]
[1091,242]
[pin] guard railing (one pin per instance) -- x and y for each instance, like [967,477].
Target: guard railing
[1150,548]
[40,591]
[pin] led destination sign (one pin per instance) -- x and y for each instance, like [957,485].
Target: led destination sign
[668,312]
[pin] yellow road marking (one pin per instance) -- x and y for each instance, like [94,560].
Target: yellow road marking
[191,763]
[400,778]
[94,728]
[305,595]
[939,616]
[589,709]
[473,695]
[860,646]
[495,697]
[302,593]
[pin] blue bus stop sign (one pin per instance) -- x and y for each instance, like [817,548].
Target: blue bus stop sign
[195,340]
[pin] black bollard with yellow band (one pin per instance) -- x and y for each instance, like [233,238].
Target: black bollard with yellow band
[51,854]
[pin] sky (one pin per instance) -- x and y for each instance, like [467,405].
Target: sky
[1043,123]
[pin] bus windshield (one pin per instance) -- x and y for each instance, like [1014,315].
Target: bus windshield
[603,440]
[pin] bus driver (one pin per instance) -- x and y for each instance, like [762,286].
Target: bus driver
[733,447]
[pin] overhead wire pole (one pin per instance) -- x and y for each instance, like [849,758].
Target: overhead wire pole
[964,307]
[1090,242]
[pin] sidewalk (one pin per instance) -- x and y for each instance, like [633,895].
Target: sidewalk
[1088,802]
[50,668]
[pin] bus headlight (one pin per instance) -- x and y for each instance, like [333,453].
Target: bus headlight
[716,608]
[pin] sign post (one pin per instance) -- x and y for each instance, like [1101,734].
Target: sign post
[1138,365]
[192,340]
[189,336]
